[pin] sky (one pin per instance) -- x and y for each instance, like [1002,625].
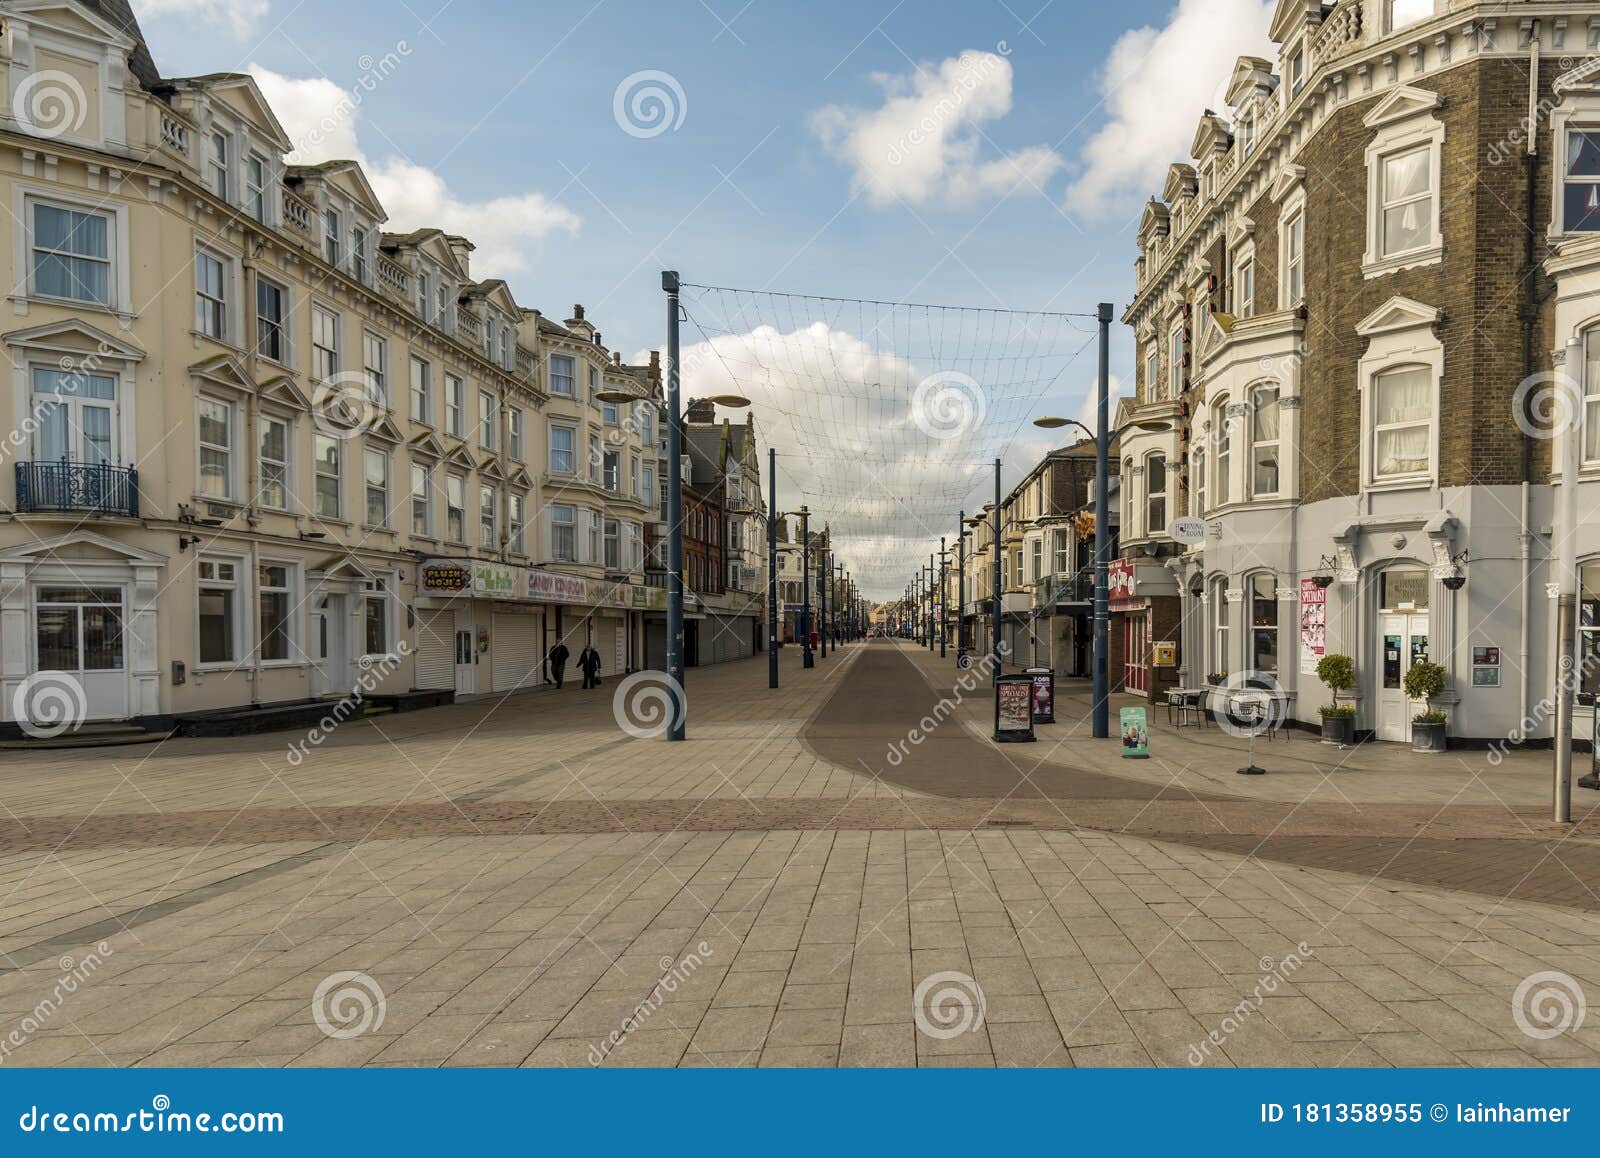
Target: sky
[962,153]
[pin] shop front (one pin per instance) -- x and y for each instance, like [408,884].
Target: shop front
[1145,618]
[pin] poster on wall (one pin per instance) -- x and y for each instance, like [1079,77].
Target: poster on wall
[1313,625]
[1485,667]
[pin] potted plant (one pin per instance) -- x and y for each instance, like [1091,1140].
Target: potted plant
[1338,673]
[1217,679]
[1425,681]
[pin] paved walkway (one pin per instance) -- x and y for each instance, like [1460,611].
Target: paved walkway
[522,882]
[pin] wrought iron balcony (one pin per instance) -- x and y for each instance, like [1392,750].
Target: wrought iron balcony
[98,488]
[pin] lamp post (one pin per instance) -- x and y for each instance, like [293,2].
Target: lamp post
[961,586]
[806,658]
[1103,437]
[824,566]
[944,614]
[994,607]
[772,567]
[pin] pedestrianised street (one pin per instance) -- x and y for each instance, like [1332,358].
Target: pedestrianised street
[845,871]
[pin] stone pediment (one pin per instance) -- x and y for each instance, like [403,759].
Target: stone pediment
[1401,104]
[73,336]
[1398,313]
[80,545]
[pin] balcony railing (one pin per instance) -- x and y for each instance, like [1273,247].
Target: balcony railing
[98,488]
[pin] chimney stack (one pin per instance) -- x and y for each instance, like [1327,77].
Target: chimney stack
[701,410]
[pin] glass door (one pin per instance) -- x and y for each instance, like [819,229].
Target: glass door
[77,417]
[78,632]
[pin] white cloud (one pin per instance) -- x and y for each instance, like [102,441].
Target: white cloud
[1156,85]
[926,143]
[322,120]
[241,17]
[1089,410]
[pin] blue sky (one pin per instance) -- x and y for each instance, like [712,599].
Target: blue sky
[500,116]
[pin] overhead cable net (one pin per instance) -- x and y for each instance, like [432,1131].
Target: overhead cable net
[887,416]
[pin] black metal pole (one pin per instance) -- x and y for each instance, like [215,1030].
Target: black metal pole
[677,723]
[807,659]
[1102,537]
[824,567]
[944,612]
[994,604]
[772,567]
[961,585]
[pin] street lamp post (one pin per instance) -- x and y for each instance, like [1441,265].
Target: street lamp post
[994,608]
[806,658]
[677,723]
[944,585]
[824,566]
[961,585]
[772,567]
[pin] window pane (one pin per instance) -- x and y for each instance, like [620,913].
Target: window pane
[1402,396]
[377,635]
[1581,207]
[56,637]
[274,625]
[216,626]
[1408,226]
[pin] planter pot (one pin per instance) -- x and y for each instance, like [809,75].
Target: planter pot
[1339,730]
[1427,737]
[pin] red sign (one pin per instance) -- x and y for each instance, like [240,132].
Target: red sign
[1120,579]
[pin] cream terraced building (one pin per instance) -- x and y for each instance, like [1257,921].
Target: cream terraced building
[262,451]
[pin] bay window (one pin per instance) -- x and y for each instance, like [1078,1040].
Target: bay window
[1264,441]
[1223,434]
[1263,594]
[1580,188]
[1155,503]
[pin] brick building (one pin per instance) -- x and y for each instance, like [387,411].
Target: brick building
[1345,300]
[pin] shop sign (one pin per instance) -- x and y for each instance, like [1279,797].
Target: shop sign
[445,578]
[1135,734]
[1187,530]
[549,587]
[495,579]
[1120,579]
[1313,625]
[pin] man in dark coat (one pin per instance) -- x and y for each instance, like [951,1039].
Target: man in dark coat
[558,662]
[589,665]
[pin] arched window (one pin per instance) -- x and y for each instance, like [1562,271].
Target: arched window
[1219,621]
[1223,436]
[1263,595]
[1264,442]
[1129,530]
[1155,489]
[1591,396]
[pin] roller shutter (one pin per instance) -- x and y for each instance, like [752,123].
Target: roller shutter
[436,649]
[515,649]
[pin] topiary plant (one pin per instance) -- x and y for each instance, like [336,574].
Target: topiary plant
[1425,681]
[1338,672]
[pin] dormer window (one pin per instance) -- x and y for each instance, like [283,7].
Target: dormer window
[424,296]
[219,165]
[1247,133]
[1297,72]
[330,237]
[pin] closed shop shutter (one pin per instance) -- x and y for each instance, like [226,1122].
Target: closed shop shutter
[436,649]
[655,644]
[605,642]
[515,648]
[621,662]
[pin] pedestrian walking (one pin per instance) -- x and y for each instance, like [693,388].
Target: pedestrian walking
[558,662]
[589,665]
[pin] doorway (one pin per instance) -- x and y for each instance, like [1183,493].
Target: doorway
[330,641]
[466,663]
[1403,639]
[78,633]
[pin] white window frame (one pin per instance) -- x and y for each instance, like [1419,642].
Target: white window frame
[369,455]
[25,198]
[489,521]
[517,523]
[290,590]
[286,465]
[375,366]
[516,423]
[421,390]
[1292,288]
[1244,270]
[1393,343]
[562,517]
[379,587]
[320,352]
[333,237]
[208,306]
[451,510]
[255,193]
[1156,526]
[1255,394]
[235,588]
[422,500]
[1221,482]
[569,375]
[1177,343]
[488,420]
[230,451]
[219,163]
[283,325]
[455,401]
[319,471]
[571,469]
[1389,24]
[1415,127]
[1152,371]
